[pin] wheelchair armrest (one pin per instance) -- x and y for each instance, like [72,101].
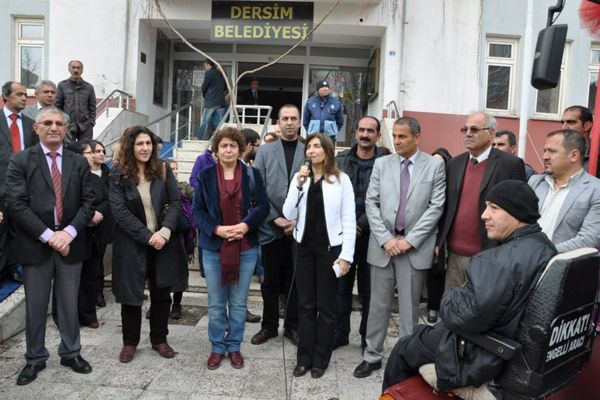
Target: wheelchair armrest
[501,346]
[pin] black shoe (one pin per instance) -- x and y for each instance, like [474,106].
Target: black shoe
[100,302]
[29,373]
[293,335]
[252,318]
[340,342]
[432,316]
[148,314]
[176,311]
[300,370]
[365,369]
[77,364]
[317,372]
[262,336]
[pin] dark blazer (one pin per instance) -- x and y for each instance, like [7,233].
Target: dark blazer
[78,101]
[213,89]
[130,245]
[98,235]
[501,166]
[247,98]
[206,208]
[31,202]
[30,138]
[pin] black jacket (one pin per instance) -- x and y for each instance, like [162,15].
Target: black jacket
[347,161]
[499,282]
[501,166]
[130,245]
[30,202]
[78,102]
[213,89]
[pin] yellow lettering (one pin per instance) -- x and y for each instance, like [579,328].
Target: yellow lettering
[256,12]
[246,12]
[218,31]
[247,32]
[267,13]
[276,31]
[236,12]
[229,32]
[286,12]
[304,31]
[296,32]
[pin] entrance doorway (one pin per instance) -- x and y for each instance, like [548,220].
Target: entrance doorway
[278,85]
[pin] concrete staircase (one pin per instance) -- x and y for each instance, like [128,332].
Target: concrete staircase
[186,155]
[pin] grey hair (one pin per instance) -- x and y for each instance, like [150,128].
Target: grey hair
[490,120]
[44,82]
[72,61]
[50,110]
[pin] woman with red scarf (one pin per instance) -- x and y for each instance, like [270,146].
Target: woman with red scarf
[229,205]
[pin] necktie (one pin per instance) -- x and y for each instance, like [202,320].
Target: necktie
[254,95]
[404,183]
[57,186]
[15,135]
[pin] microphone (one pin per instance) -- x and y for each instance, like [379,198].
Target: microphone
[307,163]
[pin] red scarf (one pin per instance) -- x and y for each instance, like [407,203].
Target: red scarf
[230,204]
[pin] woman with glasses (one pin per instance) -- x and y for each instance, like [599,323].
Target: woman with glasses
[146,205]
[321,199]
[229,205]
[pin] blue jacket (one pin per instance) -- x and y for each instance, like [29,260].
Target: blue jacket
[206,208]
[323,116]
[213,89]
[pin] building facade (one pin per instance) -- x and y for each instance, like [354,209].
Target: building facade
[436,60]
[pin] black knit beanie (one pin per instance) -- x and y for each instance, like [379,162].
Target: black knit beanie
[516,198]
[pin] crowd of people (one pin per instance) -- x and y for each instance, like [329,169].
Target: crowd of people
[472,228]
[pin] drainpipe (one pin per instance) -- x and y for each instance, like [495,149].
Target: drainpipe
[402,60]
[126,48]
[525,78]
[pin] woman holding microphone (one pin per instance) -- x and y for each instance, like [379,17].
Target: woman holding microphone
[321,199]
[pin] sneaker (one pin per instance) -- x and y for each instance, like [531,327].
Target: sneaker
[432,316]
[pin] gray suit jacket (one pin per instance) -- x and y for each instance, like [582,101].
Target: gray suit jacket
[270,161]
[31,111]
[425,203]
[578,223]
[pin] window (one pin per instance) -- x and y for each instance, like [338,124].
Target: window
[161,66]
[500,64]
[549,103]
[593,75]
[29,51]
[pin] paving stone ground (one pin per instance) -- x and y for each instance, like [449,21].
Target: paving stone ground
[149,376]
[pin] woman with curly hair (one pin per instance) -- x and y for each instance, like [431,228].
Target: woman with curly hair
[145,203]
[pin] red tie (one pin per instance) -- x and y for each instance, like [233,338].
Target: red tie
[57,185]
[15,135]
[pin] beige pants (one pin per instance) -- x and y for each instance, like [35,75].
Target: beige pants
[456,273]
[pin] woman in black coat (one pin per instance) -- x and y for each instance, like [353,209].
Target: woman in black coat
[146,205]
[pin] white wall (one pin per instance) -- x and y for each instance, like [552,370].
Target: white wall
[93,32]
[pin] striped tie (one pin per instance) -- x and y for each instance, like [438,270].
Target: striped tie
[57,186]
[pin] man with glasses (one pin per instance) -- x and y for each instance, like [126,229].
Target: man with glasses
[49,196]
[469,177]
[16,134]
[580,119]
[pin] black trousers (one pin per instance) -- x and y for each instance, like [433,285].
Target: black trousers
[86,299]
[436,278]
[278,263]
[78,135]
[160,304]
[3,242]
[411,352]
[361,269]
[317,312]
[100,278]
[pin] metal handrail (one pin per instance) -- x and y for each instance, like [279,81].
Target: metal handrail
[388,106]
[244,118]
[177,112]
[104,101]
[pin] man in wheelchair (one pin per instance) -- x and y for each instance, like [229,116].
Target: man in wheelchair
[499,283]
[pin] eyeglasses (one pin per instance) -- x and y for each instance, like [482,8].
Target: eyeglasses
[48,124]
[475,130]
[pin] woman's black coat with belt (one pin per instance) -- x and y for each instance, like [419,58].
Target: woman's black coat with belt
[130,245]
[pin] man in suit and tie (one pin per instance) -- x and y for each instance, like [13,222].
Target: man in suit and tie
[251,97]
[404,203]
[481,166]
[49,197]
[569,197]
[45,93]
[277,162]
[16,134]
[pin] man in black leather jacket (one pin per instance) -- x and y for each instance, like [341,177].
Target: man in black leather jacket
[498,286]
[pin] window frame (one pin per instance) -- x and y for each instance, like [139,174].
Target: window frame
[501,62]
[592,68]
[21,43]
[564,71]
